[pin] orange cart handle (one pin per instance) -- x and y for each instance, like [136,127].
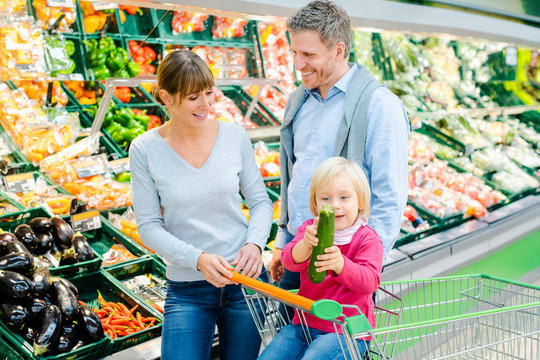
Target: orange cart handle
[272,290]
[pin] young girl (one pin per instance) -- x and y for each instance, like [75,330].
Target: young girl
[186,179]
[354,263]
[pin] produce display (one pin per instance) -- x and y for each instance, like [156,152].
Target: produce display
[105,289]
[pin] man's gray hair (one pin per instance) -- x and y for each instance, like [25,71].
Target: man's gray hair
[328,19]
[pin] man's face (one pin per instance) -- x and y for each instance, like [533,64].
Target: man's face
[314,60]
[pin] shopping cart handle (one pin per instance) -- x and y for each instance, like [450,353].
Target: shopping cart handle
[324,309]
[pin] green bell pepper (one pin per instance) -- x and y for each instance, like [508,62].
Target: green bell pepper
[69,70]
[131,134]
[70,47]
[97,58]
[117,132]
[91,43]
[116,59]
[122,74]
[106,44]
[101,72]
[109,118]
[142,119]
[133,68]
[123,116]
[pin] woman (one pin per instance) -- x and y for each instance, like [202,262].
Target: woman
[186,176]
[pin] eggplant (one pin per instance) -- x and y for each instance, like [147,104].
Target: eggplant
[41,261]
[40,225]
[64,345]
[15,246]
[71,330]
[61,232]
[51,327]
[21,262]
[25,235]
[69,257]
[6,238]
[82,247]
[64,299]
[90,325]
[68,284]
[15,286]
[14,316]
[29,333]
[44,244]
[41,279]
[35,308]
[56,252]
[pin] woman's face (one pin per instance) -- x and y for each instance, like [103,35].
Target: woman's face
[194,108]
[343,198]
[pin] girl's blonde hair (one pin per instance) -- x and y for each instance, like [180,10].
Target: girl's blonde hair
[328,170]
[182,73]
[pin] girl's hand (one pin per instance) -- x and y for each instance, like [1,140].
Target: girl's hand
[215,269]
[249,261]
[331,260]
[310,236]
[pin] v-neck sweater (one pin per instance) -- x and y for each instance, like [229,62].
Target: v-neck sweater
[183,211]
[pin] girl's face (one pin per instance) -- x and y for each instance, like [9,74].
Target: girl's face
[343,198]
[194,108]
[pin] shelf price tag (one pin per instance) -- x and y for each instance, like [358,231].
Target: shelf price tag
[30,70]
[120,165]
[20,183]
[97,5]
[86,221]
[61,3]
[89,168]
[511,56]
[74,77]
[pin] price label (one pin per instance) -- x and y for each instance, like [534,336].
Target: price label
[20,183]
[61,3]
[75,77]
[89,168]
[104,6]
[511,56]
[86,221]
[30,70]
[120,165]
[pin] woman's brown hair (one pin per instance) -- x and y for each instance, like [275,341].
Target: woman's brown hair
[182,73]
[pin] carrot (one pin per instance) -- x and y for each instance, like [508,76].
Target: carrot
[158,308]
[81,302]
[133,309]
[124,321]
[101,299]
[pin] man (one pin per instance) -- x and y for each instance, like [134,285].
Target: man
[340,110]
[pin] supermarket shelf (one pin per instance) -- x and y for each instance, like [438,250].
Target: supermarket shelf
[448,251]
[498,111]
[377,14]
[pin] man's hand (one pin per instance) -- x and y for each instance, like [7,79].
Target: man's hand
[276,267]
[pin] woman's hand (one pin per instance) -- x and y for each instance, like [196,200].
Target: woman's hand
[249,261]
[215,269]
[310,236]
[331,260]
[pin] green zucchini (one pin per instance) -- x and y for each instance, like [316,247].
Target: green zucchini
[325,234]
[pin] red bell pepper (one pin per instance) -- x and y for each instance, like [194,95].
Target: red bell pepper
[155,121]
[130,9]
[123,94]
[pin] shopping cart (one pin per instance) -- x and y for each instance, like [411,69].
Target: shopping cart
[462,317]
[264,299]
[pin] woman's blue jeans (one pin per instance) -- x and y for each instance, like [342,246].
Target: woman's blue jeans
[291,344]
[192,311]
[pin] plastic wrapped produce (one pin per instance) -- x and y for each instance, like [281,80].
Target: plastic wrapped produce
[226,27]
[267,160]
[186,22]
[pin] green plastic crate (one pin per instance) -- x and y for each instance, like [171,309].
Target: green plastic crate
[90,284]
[236,94]
[138,26]
[102,239]
[263,109]
[498,67]
[11,221]
[200,38]
[140,97]
[14,347]
[409,237]
[19,163]
[79,57]
[143,266]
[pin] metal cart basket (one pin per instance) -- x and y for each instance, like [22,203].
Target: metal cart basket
[461,317]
